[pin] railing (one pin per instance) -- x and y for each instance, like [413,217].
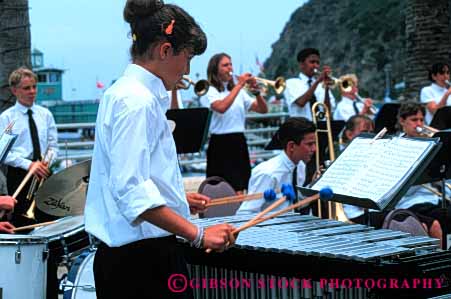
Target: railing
[257,137]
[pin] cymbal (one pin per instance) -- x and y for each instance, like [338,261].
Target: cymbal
[64,193]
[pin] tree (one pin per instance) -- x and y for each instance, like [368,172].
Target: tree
[14,44]
[428,41]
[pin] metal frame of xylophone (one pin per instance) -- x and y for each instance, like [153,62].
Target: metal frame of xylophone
[308,247]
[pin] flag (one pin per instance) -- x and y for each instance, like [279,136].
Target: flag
[259,64]
[99,85]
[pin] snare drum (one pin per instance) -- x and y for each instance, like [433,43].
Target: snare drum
[80,279]
[23,266]
[66,238]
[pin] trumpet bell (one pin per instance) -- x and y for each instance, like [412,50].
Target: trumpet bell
[201,87]
[279,85]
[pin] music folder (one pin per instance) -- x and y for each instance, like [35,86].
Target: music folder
[387,117]
[376,174]
[191,128]
[442,118]
[440,166]
[6,142]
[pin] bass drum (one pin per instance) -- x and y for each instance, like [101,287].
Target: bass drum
[80,279]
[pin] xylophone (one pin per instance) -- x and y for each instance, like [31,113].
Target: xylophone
[302,256]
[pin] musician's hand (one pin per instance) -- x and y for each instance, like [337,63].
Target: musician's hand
[179,85]
[325,73]
[6,227]
[367,104]
[245,78]
[7,203]
[40,169]
[219,237]
[197,202]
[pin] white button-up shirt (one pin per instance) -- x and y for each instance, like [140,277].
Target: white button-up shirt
[432,93]
[233,120]
[134,164]
[271,174]
[21,153]
[296,87]
[345,109]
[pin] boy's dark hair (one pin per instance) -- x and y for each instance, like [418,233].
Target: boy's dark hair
[294,129]
[353,122]
[410,108]
[304,53]
[439,67]
[152,21]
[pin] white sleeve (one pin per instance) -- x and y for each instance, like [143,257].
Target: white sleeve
[258,183]
[212,96]
[426,95]
[293,90]
[133,141]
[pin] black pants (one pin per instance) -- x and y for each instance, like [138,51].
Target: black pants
[228,157]
[140,270]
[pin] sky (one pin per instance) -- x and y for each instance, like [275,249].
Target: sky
[90,40]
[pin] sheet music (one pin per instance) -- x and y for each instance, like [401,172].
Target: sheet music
[375,171]
[5,143]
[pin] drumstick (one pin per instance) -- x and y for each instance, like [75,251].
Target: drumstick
[24,182]
[243,197]
[17,229]
[278,213]
[234,199]
[262,213]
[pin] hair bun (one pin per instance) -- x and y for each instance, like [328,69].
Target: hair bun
[141,8]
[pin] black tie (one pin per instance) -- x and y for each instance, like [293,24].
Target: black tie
[313,98]
[294,182]
[34,136]
[354,104]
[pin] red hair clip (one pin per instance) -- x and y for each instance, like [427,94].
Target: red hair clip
[170,27]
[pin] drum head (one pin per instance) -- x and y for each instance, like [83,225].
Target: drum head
[8,238]
[62,227]
[80,279]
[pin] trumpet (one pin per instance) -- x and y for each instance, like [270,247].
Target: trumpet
[200,87]
[35,185]
[373,108]
[448,84]
[426,130]
[332,82]
[278,84]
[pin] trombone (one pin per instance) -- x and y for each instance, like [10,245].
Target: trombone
[200,87]
[426,130]
[319,112]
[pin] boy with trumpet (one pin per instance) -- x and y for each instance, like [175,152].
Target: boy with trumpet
[351,103]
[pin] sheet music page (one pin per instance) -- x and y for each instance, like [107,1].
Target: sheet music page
[374,170]
[5,141]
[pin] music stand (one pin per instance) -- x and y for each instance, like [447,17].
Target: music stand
[440,166]
[191,129]
[442,118]
[6,143]
[387,117]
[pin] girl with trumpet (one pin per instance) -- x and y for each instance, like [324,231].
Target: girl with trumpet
[227,154]
[436,95]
